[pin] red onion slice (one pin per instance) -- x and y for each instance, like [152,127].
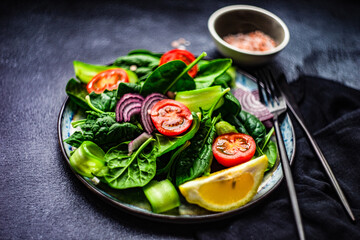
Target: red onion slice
[128,101]
[131,112]
[250,103]
[136,143]
[148,103]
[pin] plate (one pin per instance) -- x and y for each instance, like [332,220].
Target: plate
[134,202]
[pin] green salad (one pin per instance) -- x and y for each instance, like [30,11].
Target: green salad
[157,121]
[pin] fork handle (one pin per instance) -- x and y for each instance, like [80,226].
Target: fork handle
[289,179]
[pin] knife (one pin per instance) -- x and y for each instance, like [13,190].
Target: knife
[292,105]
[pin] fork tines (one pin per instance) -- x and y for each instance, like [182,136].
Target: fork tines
[269,85]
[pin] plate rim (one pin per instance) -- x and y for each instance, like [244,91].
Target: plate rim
[184,219]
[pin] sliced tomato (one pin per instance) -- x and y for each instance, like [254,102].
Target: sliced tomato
[171,117]
[231,149]
[179,54]
[108,79]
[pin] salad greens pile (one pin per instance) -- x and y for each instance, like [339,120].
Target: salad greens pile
[176,159]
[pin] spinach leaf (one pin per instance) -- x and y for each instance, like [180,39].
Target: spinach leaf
[271,153]
[248,124]
[195,160]
[227,79]
[105,101]
[171,76]
[124,88]
[138,59]
[167,75]
[223,80]
[167,168]
[209,72]
[77,93]
[166,144]
[102,129]
[267,137]
[254,126]
[235,120]
[231,105]
[76,139]
[136,170]
[145,63]
[146,52]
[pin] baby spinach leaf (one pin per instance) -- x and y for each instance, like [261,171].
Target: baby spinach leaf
[271,153]
[145,63]
[145,52]
[209,72]
[105,101]
[138,59]
[234,120]
[267,138]
[136,170]
[253,126]
[227,79]
[174,156]
[195,160]
[167,75]
[166,144]
[171,76]
[103,130]
[231,105]
[248,124]
[77,93]
[223,80]
[124,88]
[76,139]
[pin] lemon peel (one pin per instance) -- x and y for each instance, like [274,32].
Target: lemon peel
[227,189]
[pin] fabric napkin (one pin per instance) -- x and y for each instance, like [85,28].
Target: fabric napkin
[332,114]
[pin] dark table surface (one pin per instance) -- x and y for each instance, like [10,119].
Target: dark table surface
[40,196]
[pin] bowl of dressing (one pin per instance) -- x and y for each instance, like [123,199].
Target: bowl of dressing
[250,35]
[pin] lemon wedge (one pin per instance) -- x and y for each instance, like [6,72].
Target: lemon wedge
[226,189]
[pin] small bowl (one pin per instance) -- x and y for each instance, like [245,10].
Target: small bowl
[244,19]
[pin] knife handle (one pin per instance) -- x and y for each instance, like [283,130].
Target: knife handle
[289,179]
[323,161]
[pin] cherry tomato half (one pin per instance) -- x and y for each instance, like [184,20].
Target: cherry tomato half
[179,54]
[171,117]
[231,149]
[108,79]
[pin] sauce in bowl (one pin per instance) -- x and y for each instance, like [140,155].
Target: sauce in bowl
[253,41]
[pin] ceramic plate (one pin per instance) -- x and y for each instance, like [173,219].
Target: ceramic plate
[133,201]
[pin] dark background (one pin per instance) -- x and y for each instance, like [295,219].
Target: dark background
[40,198]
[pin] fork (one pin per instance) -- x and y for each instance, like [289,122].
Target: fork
[275,102]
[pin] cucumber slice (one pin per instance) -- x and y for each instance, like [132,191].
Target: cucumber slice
[87,159]
[161,195]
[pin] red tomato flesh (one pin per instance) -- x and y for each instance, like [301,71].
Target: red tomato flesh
[171,117]
[179,54]
[108,79]
[232,149]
